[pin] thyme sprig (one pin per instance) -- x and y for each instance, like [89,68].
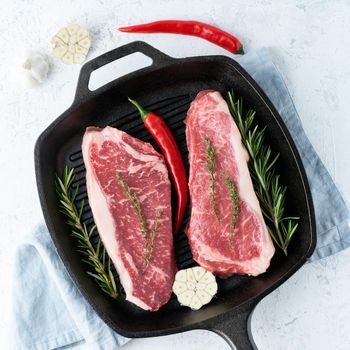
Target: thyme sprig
[234,199]
[148,237]
[270,192]
[150,244]
[210,165]
[132,196]
[99,263]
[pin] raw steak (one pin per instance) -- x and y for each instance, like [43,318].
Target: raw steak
[215,244]
[146,273]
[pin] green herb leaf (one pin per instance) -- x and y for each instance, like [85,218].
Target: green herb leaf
[234,199]
[267,186]
[149,237]
[67,196]
[210,165]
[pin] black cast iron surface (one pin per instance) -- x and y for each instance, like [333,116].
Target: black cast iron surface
[167,87]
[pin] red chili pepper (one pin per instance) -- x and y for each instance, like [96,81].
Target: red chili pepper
[194,28]
[165,140]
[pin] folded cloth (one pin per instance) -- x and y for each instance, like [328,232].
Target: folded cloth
[49,312]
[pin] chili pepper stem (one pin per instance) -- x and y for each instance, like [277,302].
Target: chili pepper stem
[240,51]
[142,111]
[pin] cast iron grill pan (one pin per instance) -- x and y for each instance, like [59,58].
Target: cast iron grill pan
[167,87]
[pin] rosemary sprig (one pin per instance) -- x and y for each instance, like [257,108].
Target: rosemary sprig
[234,199]
[95,258]
[270,192]
[149,237]
[210,165]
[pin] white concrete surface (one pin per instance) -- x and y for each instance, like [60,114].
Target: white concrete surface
[310,42]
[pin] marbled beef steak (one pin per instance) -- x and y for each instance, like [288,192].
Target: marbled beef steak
[146,265]
[216,244]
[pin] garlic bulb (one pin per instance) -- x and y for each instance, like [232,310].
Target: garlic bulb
[71,44]
[34,69]
[194,287]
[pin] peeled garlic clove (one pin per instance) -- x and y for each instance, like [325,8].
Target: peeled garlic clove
[181,276]
[190,276]
[81,50]
[82,33]
[196,303]
[179,287]
[204,297]
[73,39]
[68,58]
[211,288]
[208,277]
[86,43]
[63,35]
[71,44]
[79,58]
[57,42]
[185,298]
[201,286]
[191,285]
[72,28]
[71,48]
[60,51]
[198,272]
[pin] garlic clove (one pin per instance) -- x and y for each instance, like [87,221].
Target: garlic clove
[86,43]
[196,303]
[57,42]
[211,288]
[80,49]
[68,58]
[201,286]
[185,298]
[72,39]
[63,34]
[208,277]
[204,297]
[79,58]
[181,275]
[179,287]
[191,285]
[190,276]
[198,272]
[71,48]
[72,28]
[82,33]
[60,51]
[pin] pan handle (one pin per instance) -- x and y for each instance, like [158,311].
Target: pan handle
[83,90]
[234,327]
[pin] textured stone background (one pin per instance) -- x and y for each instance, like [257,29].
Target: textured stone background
[310,43]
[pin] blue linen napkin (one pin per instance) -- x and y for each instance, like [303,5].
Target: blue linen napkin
[48,310]
[50,313]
